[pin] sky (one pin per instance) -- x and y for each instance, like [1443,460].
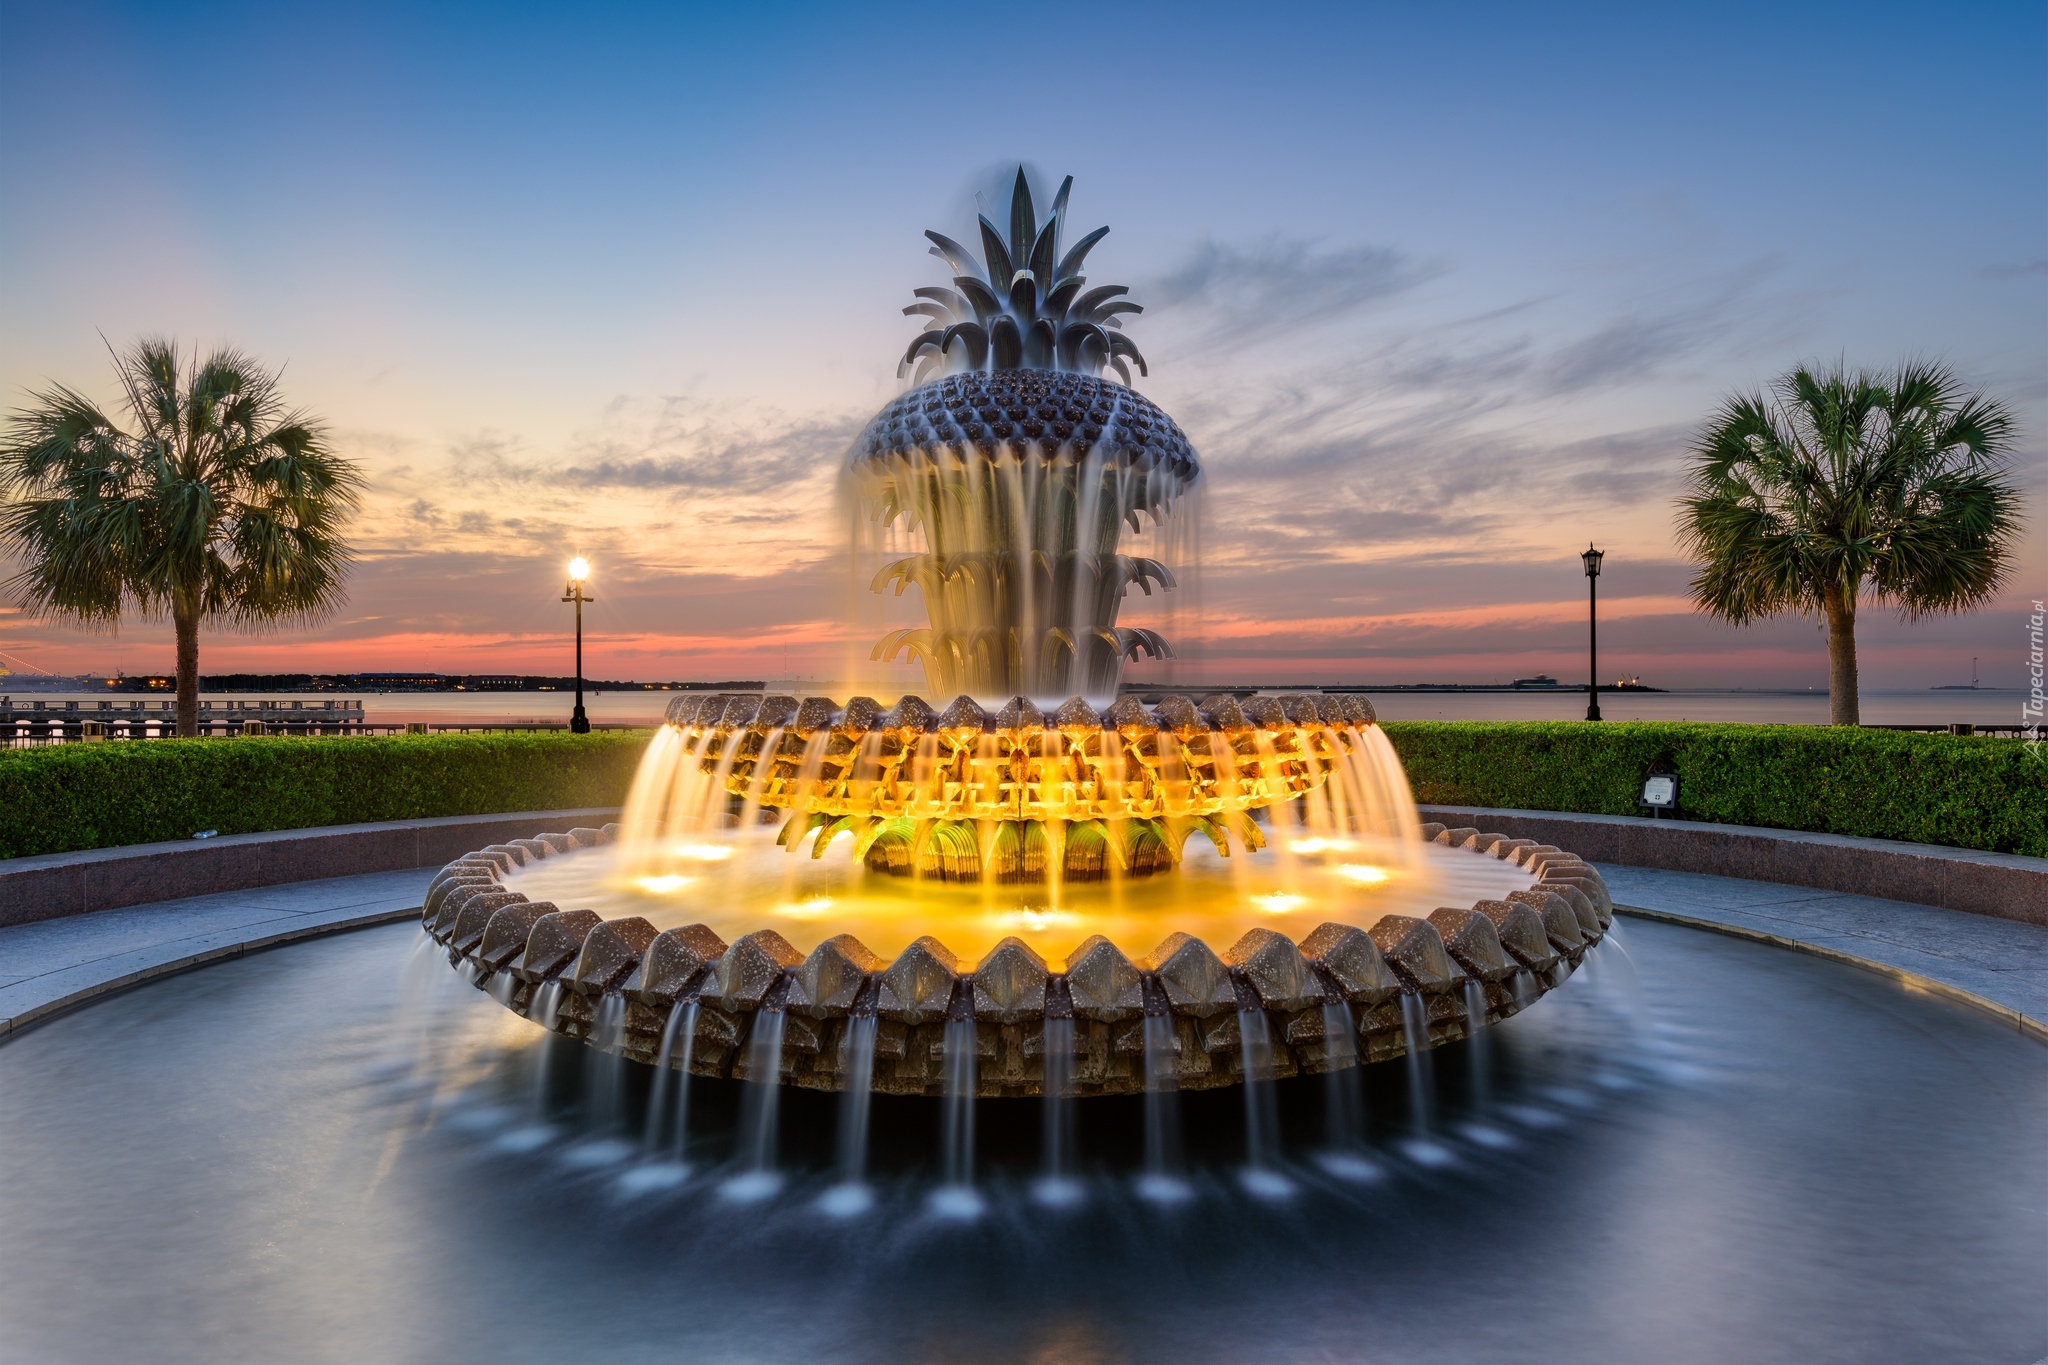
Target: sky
[1440,294]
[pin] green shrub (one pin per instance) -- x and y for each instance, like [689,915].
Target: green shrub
[75,796]
[1933,789]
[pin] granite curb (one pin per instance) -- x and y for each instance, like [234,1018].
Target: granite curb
[2005,885]
[98,979]
[2025,1023]
[55,885]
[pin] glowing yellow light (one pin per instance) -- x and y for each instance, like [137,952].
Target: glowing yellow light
[661,886]
[810,907]
[579,569]
[1279,903]
[703,853]
[1321,846]
[1038,921]
[1363,874]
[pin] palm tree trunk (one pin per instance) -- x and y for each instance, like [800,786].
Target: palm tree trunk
[1839,606]
[186,622]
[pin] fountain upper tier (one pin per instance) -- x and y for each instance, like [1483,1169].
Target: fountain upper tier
[1022,484]
[1021,464]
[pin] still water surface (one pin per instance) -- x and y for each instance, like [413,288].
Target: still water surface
[1726,1152]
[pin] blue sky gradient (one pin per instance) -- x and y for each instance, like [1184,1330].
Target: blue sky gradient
[1439,293]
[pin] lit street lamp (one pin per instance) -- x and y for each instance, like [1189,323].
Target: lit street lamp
[579,570]
[1591,558]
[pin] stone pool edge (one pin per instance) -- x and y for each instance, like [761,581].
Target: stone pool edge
[2025,1023]
[131,973]
[2000,885]
[48,886]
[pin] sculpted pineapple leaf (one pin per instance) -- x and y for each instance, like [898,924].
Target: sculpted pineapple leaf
[1020,305]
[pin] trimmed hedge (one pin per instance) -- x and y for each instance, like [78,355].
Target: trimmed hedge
[1989,794]
[1932,789]
[77,796]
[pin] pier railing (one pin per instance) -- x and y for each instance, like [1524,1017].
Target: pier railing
[32,724]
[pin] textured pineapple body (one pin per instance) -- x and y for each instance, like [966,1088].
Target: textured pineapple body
[1056,409]
[1022,482]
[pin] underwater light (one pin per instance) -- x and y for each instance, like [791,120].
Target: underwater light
[1362,874]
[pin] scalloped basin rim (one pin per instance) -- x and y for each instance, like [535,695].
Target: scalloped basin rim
[1340,997]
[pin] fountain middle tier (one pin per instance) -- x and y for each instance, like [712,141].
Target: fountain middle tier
[1017,795]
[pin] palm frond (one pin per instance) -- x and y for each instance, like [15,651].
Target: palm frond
[1888,486]
[218,501]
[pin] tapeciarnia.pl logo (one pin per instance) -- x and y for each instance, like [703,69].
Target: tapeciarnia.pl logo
[2030,709]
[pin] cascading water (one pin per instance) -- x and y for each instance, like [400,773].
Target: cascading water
[957,1197]
[1479,1067]
[1343,1099]
[1056,1185]
[1343,1090]
[547,1001]
[1477,1043]
[1161,1181]
[1628,980]
[850,1195]
[668,1120]
[1421,1145]
[605,1068]
[1261,1113]
[759,1107]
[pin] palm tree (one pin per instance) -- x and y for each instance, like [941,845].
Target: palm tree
[216,504]
[1836,488]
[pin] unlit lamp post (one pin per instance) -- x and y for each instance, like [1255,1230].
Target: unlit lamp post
[579,570]
[1591,558]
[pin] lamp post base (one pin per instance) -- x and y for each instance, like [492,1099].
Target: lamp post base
[1593,709]
[579,724]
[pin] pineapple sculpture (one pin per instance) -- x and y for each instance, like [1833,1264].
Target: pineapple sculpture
[1021,464]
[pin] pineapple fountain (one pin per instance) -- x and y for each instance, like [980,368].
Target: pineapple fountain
[1040,887]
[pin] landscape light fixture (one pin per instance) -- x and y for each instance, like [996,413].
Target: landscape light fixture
[579,571]
[1591,558]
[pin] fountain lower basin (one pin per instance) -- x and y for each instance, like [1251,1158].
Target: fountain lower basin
[1396,978]
[210,1169]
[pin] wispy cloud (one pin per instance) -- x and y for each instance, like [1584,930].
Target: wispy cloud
[1460,439]
[689,446]
[1632,346]
[1255,289]
[677,445]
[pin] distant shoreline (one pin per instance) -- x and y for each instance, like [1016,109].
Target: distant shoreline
[72,687]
